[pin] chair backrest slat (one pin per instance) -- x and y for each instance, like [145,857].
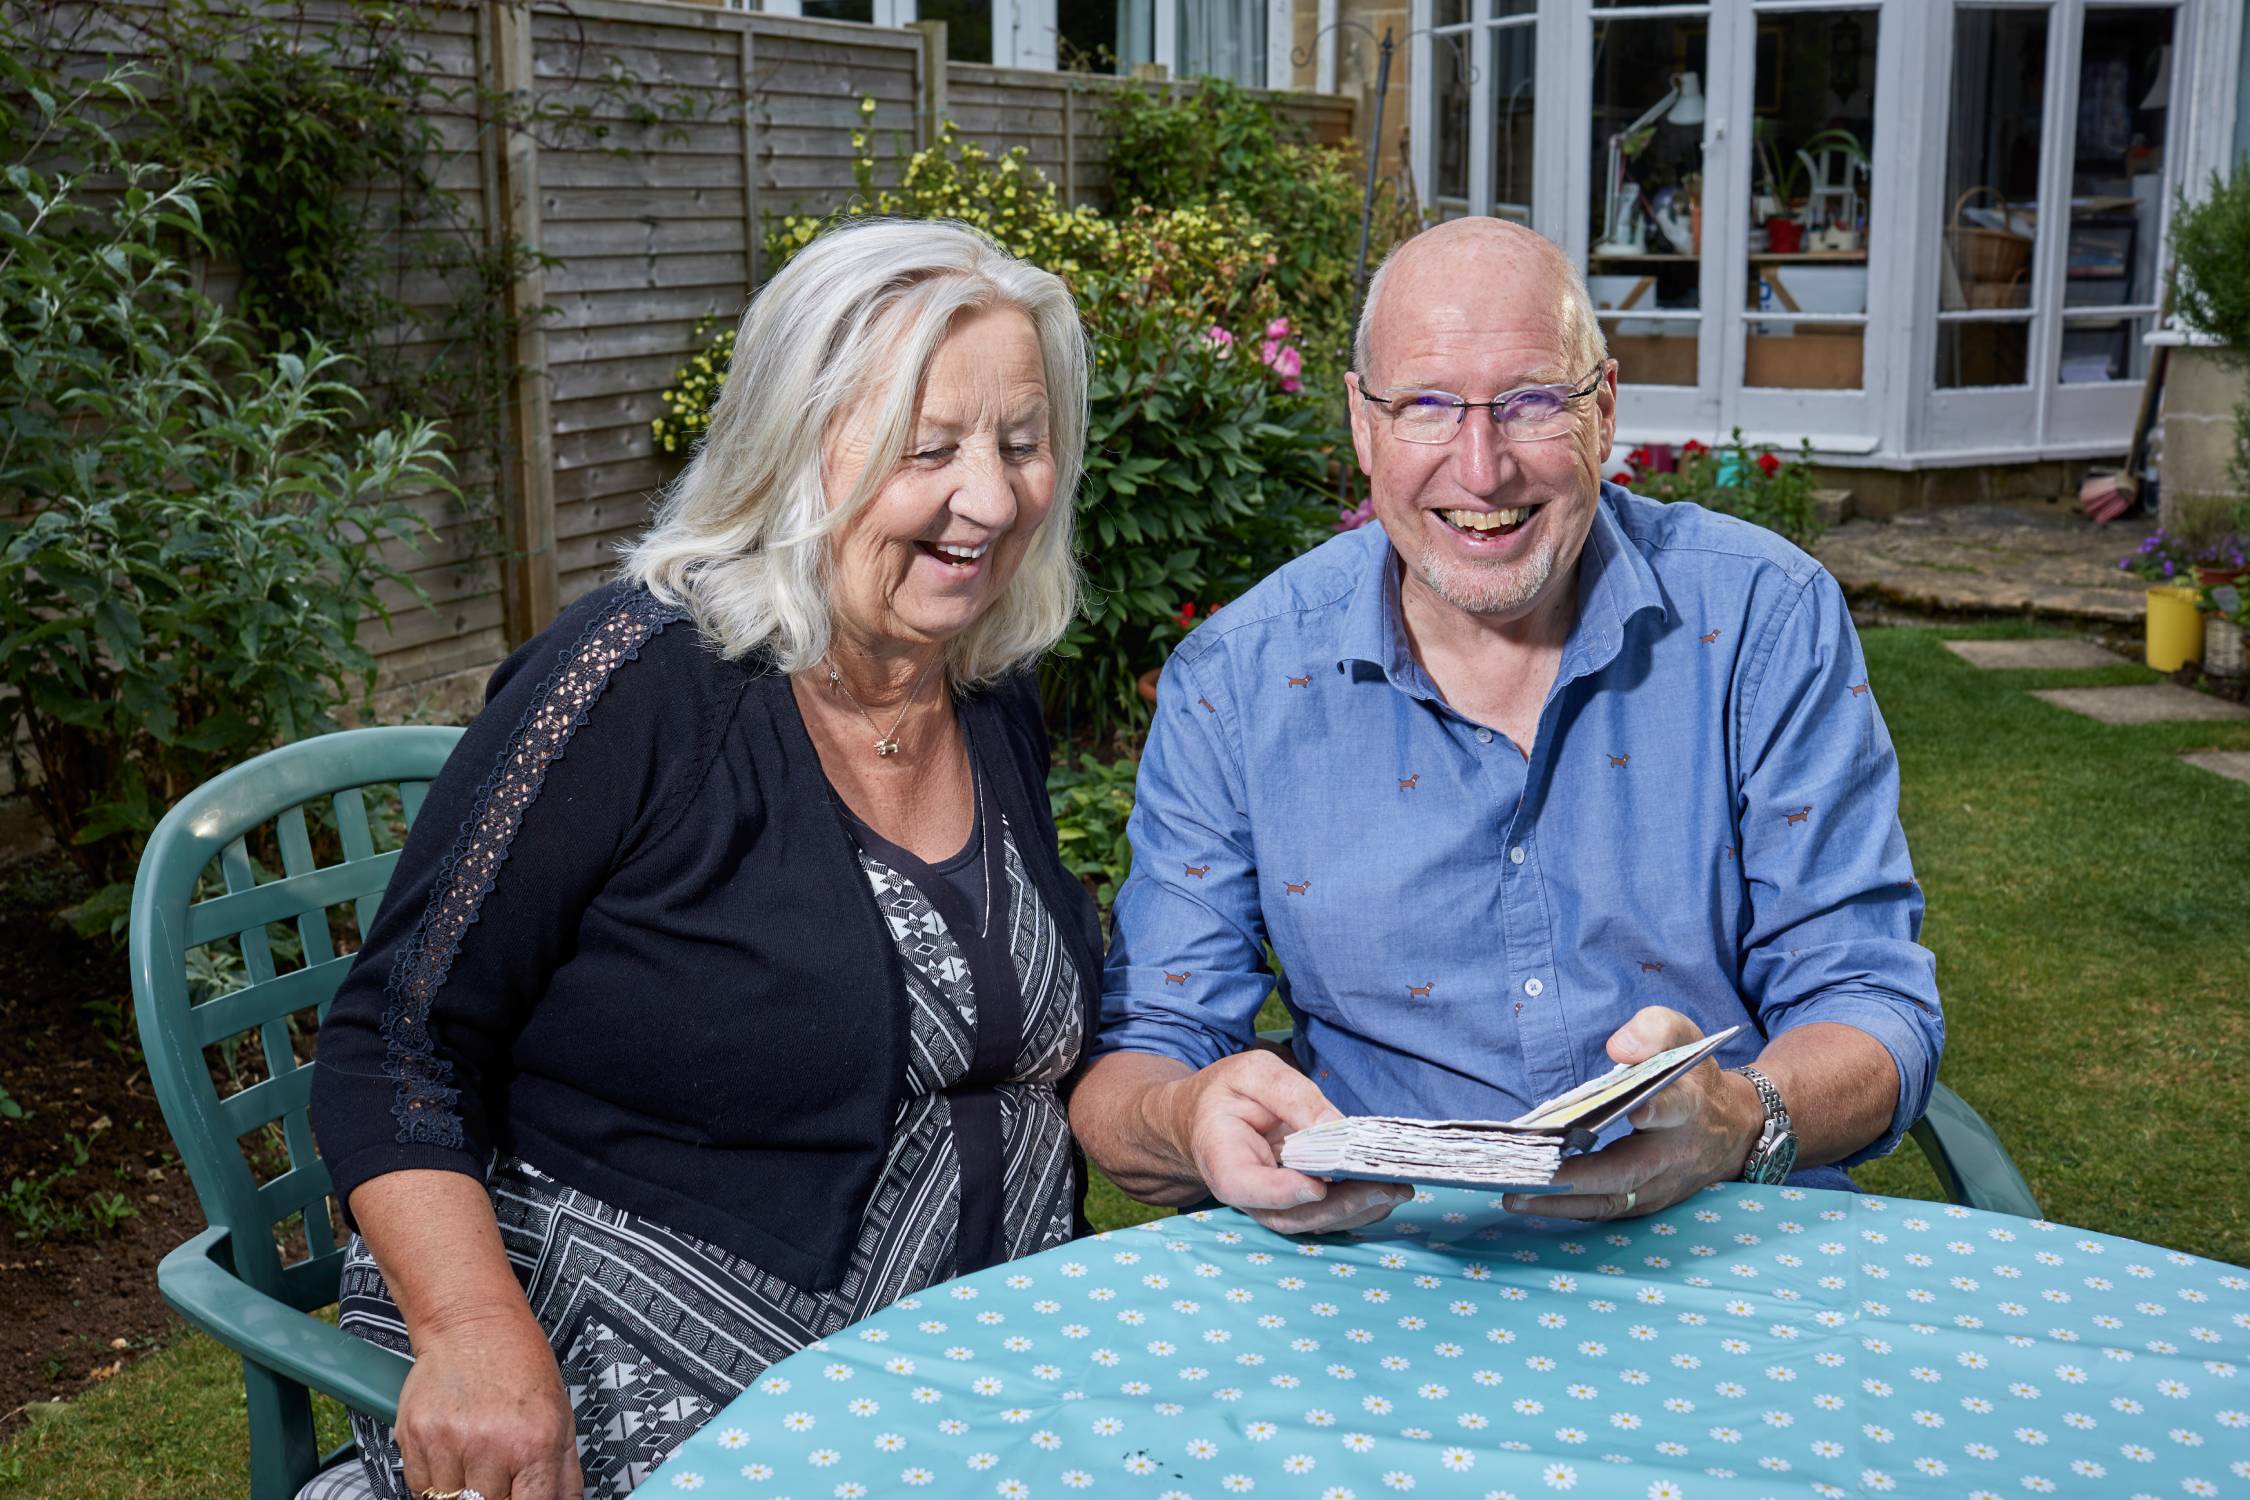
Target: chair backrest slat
[281,900]
[237,1011]
[242,877]
[260,1103]
[223,821]
[359,846]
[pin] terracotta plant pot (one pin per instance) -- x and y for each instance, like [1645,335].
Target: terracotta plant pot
[1147,685]
[2211,578]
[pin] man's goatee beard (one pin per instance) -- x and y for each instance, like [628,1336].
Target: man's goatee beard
[1482,591]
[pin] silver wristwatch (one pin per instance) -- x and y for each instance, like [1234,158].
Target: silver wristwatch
[1776,1152]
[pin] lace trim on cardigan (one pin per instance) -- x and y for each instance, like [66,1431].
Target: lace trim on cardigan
[425,1103]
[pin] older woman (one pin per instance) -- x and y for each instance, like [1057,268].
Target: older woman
[722,992]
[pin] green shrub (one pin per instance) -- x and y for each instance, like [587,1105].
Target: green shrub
[1218,143]
[1092,801]
[1757,484]
[191,543]
[1206,462]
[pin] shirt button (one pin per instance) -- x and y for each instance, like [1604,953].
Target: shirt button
[1533,988]
[1484,736]
[1515,855]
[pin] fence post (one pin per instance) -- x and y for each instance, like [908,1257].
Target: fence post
[1070,143]
[748,62]
[932,106]
[531,585]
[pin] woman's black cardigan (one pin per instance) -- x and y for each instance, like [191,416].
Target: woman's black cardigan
[629,940]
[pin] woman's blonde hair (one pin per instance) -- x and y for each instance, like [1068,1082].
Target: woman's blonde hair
[742,538]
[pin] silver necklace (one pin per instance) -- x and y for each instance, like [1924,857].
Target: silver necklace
[886,745]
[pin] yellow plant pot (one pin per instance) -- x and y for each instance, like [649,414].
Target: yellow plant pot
[2175,630]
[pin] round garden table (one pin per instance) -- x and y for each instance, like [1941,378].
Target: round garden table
[1748,1342]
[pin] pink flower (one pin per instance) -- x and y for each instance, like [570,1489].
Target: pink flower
[1221,340]
[1278,329]
[1358,516]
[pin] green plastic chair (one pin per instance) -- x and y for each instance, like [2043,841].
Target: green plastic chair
[1972,1166]
[234,1280]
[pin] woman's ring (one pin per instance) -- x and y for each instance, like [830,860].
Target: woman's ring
[1631,1197]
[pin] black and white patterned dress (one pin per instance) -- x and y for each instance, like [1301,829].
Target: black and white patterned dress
[655,1330]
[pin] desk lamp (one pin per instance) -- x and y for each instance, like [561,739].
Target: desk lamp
[1621,234]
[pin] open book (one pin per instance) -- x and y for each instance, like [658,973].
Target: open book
[1518,1155]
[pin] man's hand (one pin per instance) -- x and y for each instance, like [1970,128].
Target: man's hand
[1229,1120]
[1697,1132]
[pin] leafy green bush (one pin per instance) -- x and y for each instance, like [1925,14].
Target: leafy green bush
[1218,143]
[1092,801]
[1206,461]
[190,543]
[1757,484]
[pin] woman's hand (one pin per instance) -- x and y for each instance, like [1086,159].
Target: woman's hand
[484,1408]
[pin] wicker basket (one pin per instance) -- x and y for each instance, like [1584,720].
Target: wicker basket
[2222,647]
[1988,263]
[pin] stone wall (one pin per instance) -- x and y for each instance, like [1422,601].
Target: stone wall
[2200,396]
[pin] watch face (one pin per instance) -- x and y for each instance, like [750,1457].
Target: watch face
[1779,1160]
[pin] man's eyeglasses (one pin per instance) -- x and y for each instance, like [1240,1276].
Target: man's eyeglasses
[1530,415]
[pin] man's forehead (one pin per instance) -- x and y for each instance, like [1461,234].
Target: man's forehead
[1440,340]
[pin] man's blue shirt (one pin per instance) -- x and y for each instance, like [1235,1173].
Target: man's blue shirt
[1708,820]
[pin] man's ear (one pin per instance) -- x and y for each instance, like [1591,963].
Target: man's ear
[1605,401]
[1363,430]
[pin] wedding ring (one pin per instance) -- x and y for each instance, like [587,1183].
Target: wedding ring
[1631,1197]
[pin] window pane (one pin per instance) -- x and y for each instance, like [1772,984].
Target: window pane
[1992,157]
[1651,351]
[1647,184]
[968,27]
[2117,170]
[1136,33]
[2098,349]
[840,10]
[1804,356]
[1449,12]
[1971,354]
[1515,90]
[1449,55]
[1223,39]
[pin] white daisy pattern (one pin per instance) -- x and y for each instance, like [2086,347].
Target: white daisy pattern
[1744,1343]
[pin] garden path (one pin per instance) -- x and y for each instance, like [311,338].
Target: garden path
[2029,556]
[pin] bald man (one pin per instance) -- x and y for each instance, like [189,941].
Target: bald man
[1532,777]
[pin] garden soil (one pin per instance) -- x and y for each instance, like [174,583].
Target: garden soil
[76,1303]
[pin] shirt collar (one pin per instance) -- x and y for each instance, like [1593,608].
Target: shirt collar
[1615,583]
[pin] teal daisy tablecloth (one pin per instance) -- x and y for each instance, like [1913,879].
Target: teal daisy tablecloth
[1749,1342]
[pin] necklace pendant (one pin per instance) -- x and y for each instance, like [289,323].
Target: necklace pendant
[886,747]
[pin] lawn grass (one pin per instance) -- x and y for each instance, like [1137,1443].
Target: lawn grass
[171,1427]
[2089,905]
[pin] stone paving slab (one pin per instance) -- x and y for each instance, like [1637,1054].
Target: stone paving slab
[2148,703]
[2232,764]
[2027,557]
[2028,656]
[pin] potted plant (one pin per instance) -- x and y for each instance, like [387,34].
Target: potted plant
[2226,609]
[2174,624]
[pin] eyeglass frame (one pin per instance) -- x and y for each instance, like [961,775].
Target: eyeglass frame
[1462,405]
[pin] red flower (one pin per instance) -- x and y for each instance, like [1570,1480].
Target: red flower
[1187,614]
[1768,465]
[1622,476]
[1692,446]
